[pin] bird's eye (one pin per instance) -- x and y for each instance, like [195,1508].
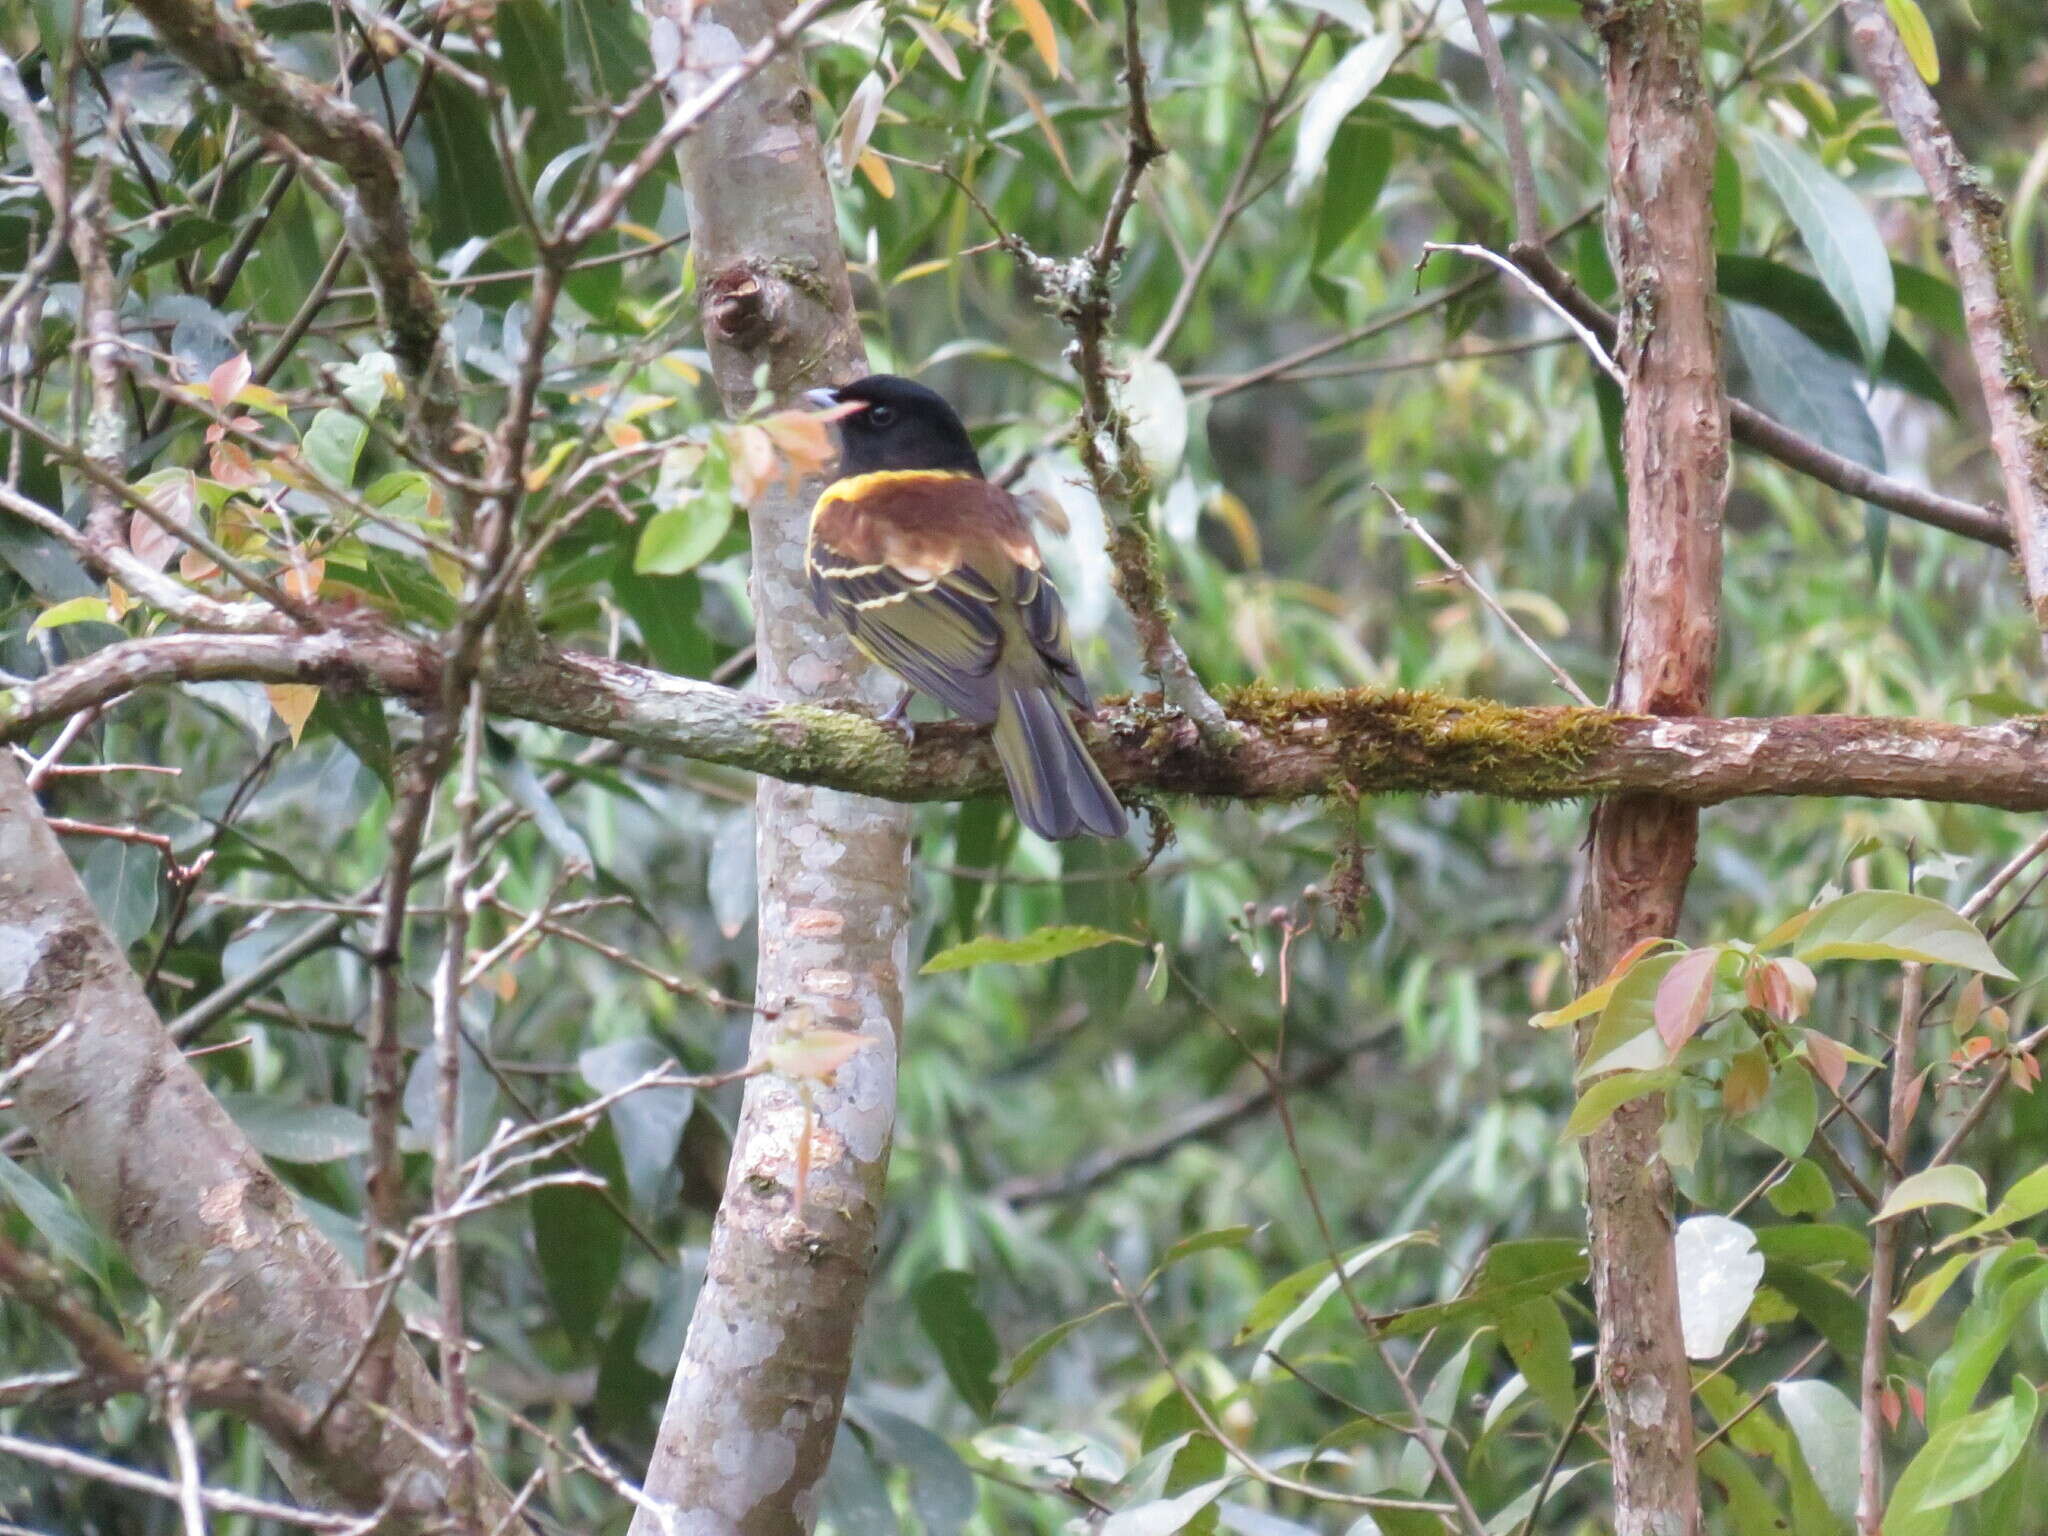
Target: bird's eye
[882,415]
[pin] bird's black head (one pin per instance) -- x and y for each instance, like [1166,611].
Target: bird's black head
[900,425]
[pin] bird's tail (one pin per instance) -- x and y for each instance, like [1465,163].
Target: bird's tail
[1055,784]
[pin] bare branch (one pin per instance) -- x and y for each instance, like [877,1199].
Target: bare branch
[1995,313]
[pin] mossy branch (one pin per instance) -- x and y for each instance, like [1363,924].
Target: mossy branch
[1292,744]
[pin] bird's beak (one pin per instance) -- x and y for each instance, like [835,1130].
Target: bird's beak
[823,399]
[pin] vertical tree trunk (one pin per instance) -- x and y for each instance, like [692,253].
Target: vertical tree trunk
[1660,140]
[755,1405]
[158,1165]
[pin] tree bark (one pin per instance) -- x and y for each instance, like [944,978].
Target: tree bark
[1660,144]
[158,1165]
[752,1415]
[1994,310]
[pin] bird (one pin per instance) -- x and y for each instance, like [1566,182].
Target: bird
[933,572]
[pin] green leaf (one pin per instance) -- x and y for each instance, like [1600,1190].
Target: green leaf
[515,776]
[951,1319]
[357,721]
[2005,1292]
[296,1132]
[1833,1310]
[121,878]
[333,444]
[2026,1199]
[53,1216]
[681,538]
[579,1241]
[1826,1425]
[1627,1013]
[1886,925]
[649,1124]
[183,236]
[1344,87]
[1163,1517]
[1321,1282]
[77,610]
[1027,1359]
[1840,235]
[1537,1340]
[1787,375]
[1793,296]
[1202,1242]
[853,1495]
[1361,157]
[1290,1303]
[1917,36]
[1598,1103]
[1961,1459]
[1927,1291]
[1784,1121]
[1034,948]
[1950,1184]
[1803,1191]
[942,1490]
[1511,1274]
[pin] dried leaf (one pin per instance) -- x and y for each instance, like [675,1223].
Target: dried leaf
[803,441]
[1969,1004]
[1748,1080]
[857,122]
[877,171]
[1038,23]
[303,579]
[935,44]
[815,1054]
[293,704]
[752,453]
[176,496]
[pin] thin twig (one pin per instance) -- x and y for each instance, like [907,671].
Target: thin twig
[1472,583]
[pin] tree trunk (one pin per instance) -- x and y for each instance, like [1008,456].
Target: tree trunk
[158,1165]
[750,1421]
[1660,140]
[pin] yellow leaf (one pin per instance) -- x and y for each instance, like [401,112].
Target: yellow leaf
[74,611]
[640,232]
[293,704]
[118,600]
[645,405]
[924,269]
[1038,22]
[540,474]
[681,367]
[1918,37]
[262,399]
[1231,511]
[446,571]
[877,171]
[624,434]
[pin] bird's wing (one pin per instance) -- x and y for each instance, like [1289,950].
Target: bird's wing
[1044,618]
[886,562]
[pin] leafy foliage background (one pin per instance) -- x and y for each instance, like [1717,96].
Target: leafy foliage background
[1432,1105]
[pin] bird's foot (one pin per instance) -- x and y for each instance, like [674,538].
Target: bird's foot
[897,718]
